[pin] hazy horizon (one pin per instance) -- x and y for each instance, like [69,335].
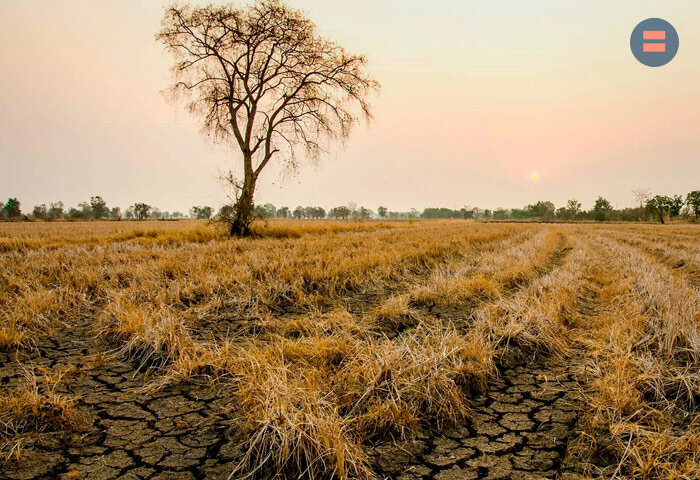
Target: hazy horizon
[475,98]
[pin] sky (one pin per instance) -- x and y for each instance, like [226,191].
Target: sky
[476,97]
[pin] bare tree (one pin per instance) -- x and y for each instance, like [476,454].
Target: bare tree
[641,197]
[262,78]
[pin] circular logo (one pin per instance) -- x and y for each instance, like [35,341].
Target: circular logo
[654,42]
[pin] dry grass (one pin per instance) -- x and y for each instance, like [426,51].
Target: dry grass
[534,319]
[314,389]
[15,236]
[311,402]
[513,262]
[22,236]
[34,406]
[316,370]
[195,281]
[299,228]
[642,416]
[395,314]
[680,254]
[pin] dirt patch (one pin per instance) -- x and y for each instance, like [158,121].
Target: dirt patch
[520,429]
[181,432]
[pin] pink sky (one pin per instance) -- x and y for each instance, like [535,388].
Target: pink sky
[476,96]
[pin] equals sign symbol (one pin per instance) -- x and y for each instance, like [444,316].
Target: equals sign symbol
[654,46]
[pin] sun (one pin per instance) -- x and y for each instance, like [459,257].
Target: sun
[534,176]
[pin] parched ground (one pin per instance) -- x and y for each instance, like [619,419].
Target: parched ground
[518,429]
[126,432]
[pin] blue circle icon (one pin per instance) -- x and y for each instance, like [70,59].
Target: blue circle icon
[654,42]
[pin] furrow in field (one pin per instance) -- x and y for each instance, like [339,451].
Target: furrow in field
[387,301]
[670,306]
[535,318]
[456,289]
[363,384]
[286,278]
[681,257]
[520,427]
[641,372]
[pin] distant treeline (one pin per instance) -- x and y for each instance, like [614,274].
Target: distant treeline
[95,209]
[657,207]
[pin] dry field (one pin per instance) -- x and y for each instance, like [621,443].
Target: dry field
[426,350]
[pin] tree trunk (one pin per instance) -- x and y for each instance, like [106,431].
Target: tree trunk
[244,208]
[661,216]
